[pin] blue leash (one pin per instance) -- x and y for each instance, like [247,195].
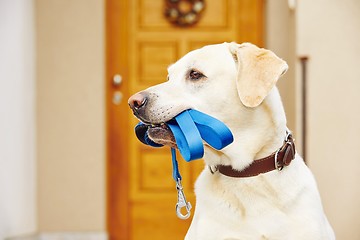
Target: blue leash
[190,128]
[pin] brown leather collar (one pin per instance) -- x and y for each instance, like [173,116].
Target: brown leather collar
[278,160]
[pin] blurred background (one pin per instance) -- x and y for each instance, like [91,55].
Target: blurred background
[70,167]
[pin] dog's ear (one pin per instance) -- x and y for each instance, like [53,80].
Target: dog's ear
[258,71]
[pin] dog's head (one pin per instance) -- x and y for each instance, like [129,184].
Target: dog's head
[224,80]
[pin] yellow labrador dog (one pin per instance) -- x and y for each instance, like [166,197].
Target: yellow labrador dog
[257,187]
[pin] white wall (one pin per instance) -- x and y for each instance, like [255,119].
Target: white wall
[329,33]
[17,119]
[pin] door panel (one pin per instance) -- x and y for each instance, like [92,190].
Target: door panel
[141,44]
[153,59]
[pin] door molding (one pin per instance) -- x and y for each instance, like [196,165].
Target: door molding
[117,128]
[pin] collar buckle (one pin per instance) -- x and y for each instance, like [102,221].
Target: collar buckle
[287,150]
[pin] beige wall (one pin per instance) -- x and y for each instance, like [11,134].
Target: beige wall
[70,115]
[280,38]
[328,32]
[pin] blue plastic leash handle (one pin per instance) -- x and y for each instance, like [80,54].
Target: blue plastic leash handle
[187,136]
[189,128]
[213,131]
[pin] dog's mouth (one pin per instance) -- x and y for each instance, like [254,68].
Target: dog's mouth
[161,134]
[157,130]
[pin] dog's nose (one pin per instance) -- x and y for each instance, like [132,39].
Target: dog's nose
[138,100]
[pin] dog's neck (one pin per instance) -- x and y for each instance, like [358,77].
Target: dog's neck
[259,133]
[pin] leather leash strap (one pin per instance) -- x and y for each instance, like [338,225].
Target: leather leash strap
[277,160]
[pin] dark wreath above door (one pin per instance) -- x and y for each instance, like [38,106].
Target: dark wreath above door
[184,13]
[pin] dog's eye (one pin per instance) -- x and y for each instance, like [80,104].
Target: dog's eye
[195,75]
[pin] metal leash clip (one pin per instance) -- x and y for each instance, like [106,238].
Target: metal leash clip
[181,203]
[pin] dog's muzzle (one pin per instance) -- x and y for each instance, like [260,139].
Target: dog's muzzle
[137,103]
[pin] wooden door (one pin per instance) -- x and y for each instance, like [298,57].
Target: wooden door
[141,44]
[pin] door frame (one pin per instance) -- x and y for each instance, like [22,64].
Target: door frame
[117,165]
